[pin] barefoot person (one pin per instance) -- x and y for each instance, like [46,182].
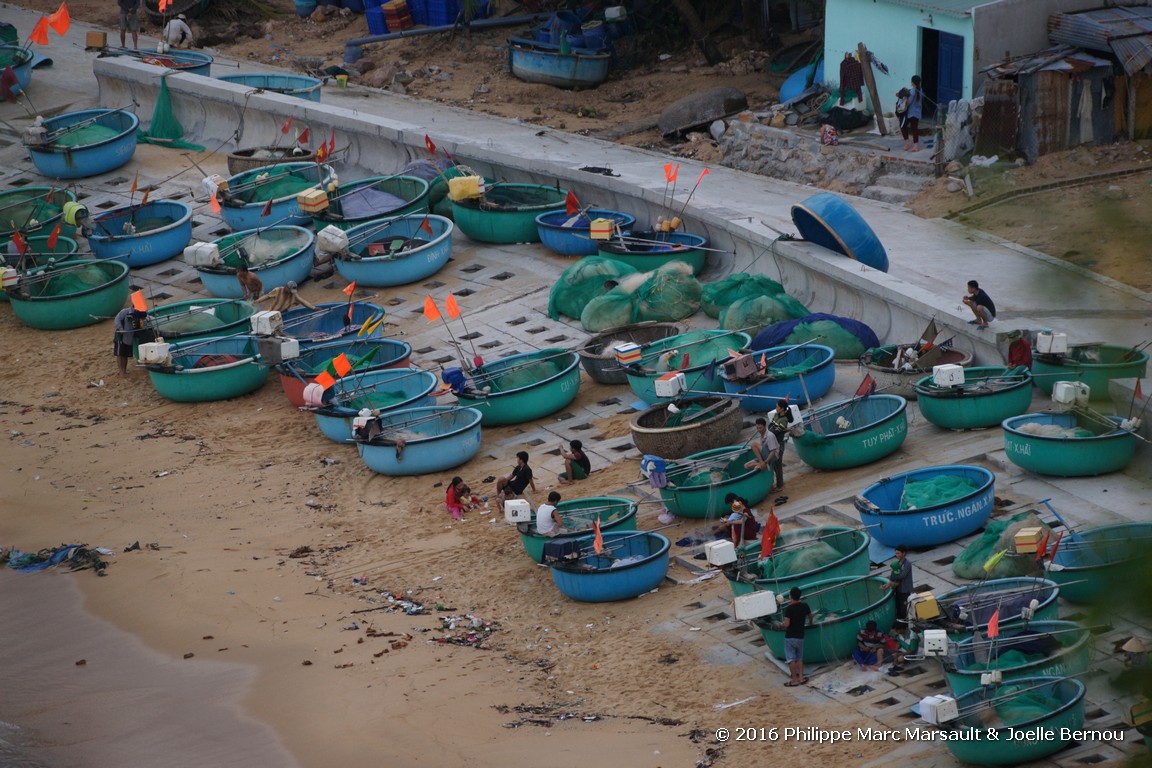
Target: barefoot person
[517,481]
[130,21]
[577,466]
[131,327]
[250,285]
[797,615]
[981,305]
[766,448]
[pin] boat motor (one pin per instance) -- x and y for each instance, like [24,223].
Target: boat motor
[76,215]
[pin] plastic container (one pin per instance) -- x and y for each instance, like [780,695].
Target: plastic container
[595,35]
[376,23]
[419,11]
[575,40]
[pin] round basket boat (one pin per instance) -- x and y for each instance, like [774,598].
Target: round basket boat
[277,255]
[696,354]
[211,369]
[801,557]
[1093,364]
[1068,444]
[307,88]
[900,380]
[381,391]
[701,424]
[185,62]
[969,608]
[1055,648]
[523,387]
[20,59]
[1102,561]
[928,506]
[243,160]
[987,397]
[697,484]
[420,441]
[363,355]
[394,252]
[647,251]
[200,319]
[70,295]
[243,205]
[841,607]
[36,210]
[797,374]
[630,564]
[85,143]
[140,235]
[852,433]
[506,213]
[369,200]
[828,221]
[39,253]
[1050,706]
[614,514]
[598,357]
[571,234]
[332,321]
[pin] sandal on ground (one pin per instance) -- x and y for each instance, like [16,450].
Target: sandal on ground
[791,684]
[973,322]
[780,500]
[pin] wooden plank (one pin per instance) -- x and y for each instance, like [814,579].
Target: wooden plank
[870,81]
[999,123]
[1051,111]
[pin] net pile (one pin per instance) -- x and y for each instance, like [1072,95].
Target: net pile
[256,250]
[693,348]
[329,365]
[75,280]
[1025,707]
[666,294]
[919,494]
[583,281]
[165,129]
[849,338]
[379,401]
[89,134]
[741,285]
[998,535]
[524,375]
[1054,430]
[276,185]
[802,560]
[196,321]
[754,313]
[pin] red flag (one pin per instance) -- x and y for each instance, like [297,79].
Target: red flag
[321,153]
[452,307]
[21,246]
[164,5]
[1139,392]
[303,137]
[671,172]
[54,236]
[7,81]
[342,364]
[700,178]
[287,125]
[135,182]
[1055,547]
[598,537]
[428,143]
[60,21]
[426,225]
[430,310]
[768,535]
[1043,548]
[684,363]
[994,625]
[571,204]
[350,288]
[325,380]
[332,142]
[214,203]
[867,387]
[267,208]
[40,31]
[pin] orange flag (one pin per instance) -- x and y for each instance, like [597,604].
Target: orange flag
[428,143]
[303,137]
[52,238]
[703,173]
[994,625]
[571,204]
[768,535]
[452,307]
[325,380]
[350,288]
[427,227]
[40,31]
[214,203]
[267,211]
[287,125]
[430,310]
[135,182]
[144,200]
[21,246]
[138,302]
[164,5]
[1056,546]
[60,21]
[1139,393]
[342,364]
[598,537]
[671,172]
[1043,548]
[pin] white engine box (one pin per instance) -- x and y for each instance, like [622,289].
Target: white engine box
[276,349]
[754,605]
[154,353]
[1071,393]
[948,375]
[938,709]
[720,553]
[202,255]
[935,642]
[313,395]
[331,240]
[671,384]
[9,277]
[1049,343]
[517,511]
[267,323]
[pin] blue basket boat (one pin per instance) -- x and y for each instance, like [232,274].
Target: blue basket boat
[1055,648]
[697,484]
[207,370]
[968,492]
[967,609]
[523,387]
[801,556]
[852,433]
[70,295]
[1068,444]
[796,374]
[330,322]
[571,234]
[243,205]
[368,200]
[987,397]
[647,251]
[20,59]
[390,389]
[35,211]
[277,255]
[396,252]
[630,564]
[85,143]
[140,235]
[506,213]
[828,221]
[693,353]
[536,62]
[1098,562]
[307,88]
[364,354]
[421,441]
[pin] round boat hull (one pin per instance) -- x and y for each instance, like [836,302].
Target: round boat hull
[285,210]
[854,601]
[761,396]
[408,266]
[389,354]
[1115,362]
[642,381]
[1099,562]
[719,428]
[963,673]
[146,247]
[984,598]
[849,542]
[335,421]
[1067,456]
[879,424]
[329,323]
[606,369]
[931,525]
[307,88]
[975,407]
[704,501]
[830,222]
[531,402]
[576,239]
[233,314]
[294,267]
[86,160]
[614,514]
[222,381]
[603,583]
[506,226]
[901,382]
[682,246]
[408,188]
[75,310]
[41,204]
[448,437]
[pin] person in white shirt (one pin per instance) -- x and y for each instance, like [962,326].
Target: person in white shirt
[177,33]
[548,520]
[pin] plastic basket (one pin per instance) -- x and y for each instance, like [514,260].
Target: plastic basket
[419,11]
[376,24]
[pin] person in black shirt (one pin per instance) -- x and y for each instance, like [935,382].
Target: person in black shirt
[796,615]
[517,481]
[577,465]
[900,582]
[981,305]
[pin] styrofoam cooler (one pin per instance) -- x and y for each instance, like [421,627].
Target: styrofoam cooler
[754,605]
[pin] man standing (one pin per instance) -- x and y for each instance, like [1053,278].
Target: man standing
[981,305]
[177,33]
[130,21]
[517,481]
[780,423]
[900,582]
[797,614]
[131,327]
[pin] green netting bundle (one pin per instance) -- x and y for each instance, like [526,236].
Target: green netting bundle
[73,280]
[330,365]
[845,343]
[165,129]
[999,535]
[1009,660]
[688,414]
[666,294]
[89,134]
[525,375]
[197,321]
[380,400]
[920,494]
[752,314]
[1025,706]
[741,285]
[588,278]
[797,561]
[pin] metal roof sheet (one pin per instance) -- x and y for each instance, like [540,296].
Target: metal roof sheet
[1125,31]
[959,9]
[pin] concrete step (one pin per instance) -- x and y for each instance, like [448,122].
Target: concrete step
[909,181]
[886,194]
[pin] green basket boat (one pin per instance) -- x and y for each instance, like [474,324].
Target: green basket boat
[614,514]
[801,557]
[1045,648]
[691,353]
[987,397]
[210,369]
[697,484]
[1072,444]
[34,211]
[39,253]
[523,387]
[1092,364]
[841,607]
[70,295]
[1100,561]
[876,427]
[506,213]
[373,199]
[200,319]
[1052,706]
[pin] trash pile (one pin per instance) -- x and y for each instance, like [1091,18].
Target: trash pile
[467,630]
[77,557]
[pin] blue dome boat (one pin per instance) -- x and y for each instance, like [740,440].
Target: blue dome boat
[1068,444]
[140,235]
[523,387]
[571,234]
[613,512]
[957,500]
[399,251]
[277,255]
[828,221]
[330,322]
[798,374]
[852,433]
[631,563]
[85,143]
[307,88]
[421,441]
[243,205]
[390,389]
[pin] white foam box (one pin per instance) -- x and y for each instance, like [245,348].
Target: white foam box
[202,255]
[267,323]
[1049,343]
[312,200]
[754,605]
[670,384]
[948,375]
[517,511]
[154,352]
[935,642]
[720,553]
[276,349]
[938,709]
[331,240]
[1070,392]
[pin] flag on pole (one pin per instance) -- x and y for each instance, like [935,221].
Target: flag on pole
[135,183]
[428,143]
[993,561]
[1056,546]
[350,288]
[40,31]
[1139,392]
[700,178]
[430,310]
[303,137]
[342,364]
[332,142]
[426,225]
[671,172]
[60,21]
[54,236]
[930,333]
[287,125]
[214,203]
[994,625]
[1043,548]
[452,307]
[21,246]
[164,5]
[138,302]
[8,81]
[597,537]
[321,153]
[144,200]
[267,211]
[867,386]
[571,204]
[325,380]
[768,535]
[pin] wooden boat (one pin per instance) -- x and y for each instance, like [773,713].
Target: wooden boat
[537,62]
[571,234]
[20,59]
[380,391]
[206,370]
[893,376]
[987,397]
[332,321]
[928,506]
[261,157]
[801,557]
[242,206]
[840,609]
[831,223]
[968,609]
[200,319]
[369,200]
[797,374]
[874,427]
[524,387]
[1069,444]
[1098,562]
[598,357]
[1053,706]
[365,355]
[397,251]
[140,235]
[1039,648]
[277,255]
[1091,364]
[506,213]
[614,514]
[647,251]
[34,211]
[699,424]
[70,295]
[190,8]
[307,88]
[185,62]
[693,353]
[39,253]
[85,143]
[697,484]
[420,441]
[632,563]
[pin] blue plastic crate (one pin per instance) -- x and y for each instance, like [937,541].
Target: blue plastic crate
[444,12]
[376,23]
[419,11]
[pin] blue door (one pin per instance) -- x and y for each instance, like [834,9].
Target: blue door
[950,72]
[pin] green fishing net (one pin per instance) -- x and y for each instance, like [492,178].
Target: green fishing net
[793,562]
[523,375]
[666,294]
[692,349]
[919,494]
[379,400]
[89,134]
[583,281]
[264,248]
[999,535]
[357,363]
[845,344]
[689,413]
[1008,660]
[73,280]
[189,323]
[1025,706]
[165,130]
[274,185]
[755,313]
[741,285]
